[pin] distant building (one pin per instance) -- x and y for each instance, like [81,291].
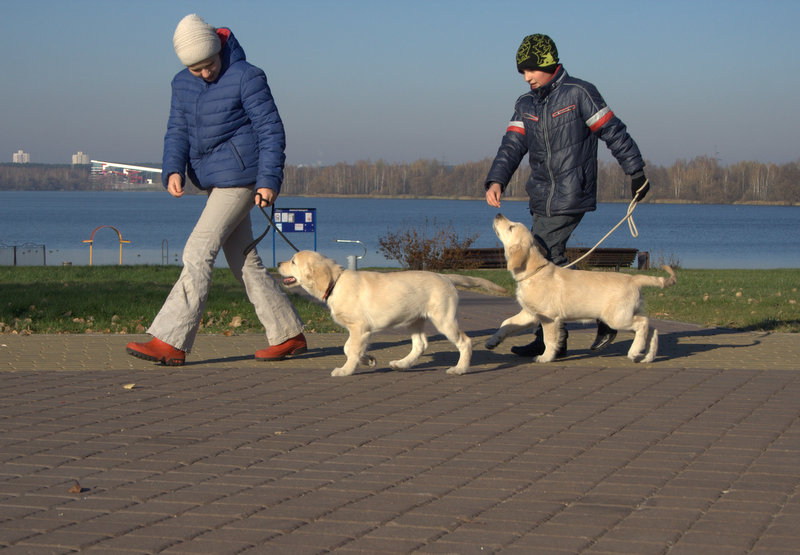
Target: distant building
[20,157]
[80,159]
[124,176]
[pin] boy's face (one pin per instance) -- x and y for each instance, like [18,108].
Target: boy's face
[208,70]
[536,78]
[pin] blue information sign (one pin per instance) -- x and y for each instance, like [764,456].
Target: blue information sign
[294,220]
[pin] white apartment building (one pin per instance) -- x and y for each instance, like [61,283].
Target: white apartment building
[20,157]
[80,158]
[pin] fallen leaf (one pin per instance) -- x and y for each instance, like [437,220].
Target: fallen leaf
[129,385]
[76,488]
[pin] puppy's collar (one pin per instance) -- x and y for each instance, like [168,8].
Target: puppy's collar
[329,290]
[533,273]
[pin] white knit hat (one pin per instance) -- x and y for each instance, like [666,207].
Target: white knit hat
[195,40]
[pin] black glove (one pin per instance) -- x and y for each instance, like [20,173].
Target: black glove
[637,180]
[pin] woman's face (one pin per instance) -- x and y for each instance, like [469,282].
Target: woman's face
[207,70]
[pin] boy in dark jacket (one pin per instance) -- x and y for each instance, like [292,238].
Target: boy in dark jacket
[225,134]
[557,124]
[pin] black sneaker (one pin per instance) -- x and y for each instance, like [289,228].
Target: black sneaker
[605,335]
[537,347]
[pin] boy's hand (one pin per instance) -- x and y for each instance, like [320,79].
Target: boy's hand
[493,194]
[637,181]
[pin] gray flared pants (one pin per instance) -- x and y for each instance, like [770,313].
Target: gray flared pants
[224,223]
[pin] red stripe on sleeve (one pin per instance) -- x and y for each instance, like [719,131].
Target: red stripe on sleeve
[602,121]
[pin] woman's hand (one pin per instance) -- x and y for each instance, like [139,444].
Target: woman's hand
[175,185]
[265,197]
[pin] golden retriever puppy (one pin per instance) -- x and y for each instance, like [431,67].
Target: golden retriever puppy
[550,295]
[367,302]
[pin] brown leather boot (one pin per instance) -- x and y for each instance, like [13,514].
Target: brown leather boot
[294,346]
[157,351]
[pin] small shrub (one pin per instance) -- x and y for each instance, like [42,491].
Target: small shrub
[427,249]
[661,259]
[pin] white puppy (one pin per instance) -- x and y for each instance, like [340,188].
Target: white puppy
[367,302]
[551,295]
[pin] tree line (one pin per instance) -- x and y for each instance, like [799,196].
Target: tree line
[702,179]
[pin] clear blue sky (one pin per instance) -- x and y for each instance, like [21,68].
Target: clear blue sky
[406,80]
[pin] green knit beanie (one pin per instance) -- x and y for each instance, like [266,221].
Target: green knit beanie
[537,53]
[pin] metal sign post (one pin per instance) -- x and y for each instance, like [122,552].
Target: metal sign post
[294,220]
[352,259]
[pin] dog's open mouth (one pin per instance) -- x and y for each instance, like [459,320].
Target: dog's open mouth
[289,281]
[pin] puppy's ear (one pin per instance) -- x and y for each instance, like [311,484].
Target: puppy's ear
[517,258]
[321,277]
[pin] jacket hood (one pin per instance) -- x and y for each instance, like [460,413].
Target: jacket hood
[232,51]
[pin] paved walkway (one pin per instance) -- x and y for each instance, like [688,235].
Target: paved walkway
[698,452]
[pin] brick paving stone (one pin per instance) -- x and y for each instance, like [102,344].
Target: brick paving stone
[134,542]
[371,544]
[607,545]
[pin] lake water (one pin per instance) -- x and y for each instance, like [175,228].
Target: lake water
[157,225]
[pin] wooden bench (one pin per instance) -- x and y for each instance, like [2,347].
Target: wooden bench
[484,258]
[601,258]
[604,258]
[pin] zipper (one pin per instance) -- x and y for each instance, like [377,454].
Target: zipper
[548,157]
[198,100]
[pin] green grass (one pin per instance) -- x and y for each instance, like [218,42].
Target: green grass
[747,300]
[124,299]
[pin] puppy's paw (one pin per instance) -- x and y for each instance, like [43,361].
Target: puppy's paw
[342,371]
[398,365]
[457,371]
[545,358]
[368,360]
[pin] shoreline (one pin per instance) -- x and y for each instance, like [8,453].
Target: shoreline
[412,197]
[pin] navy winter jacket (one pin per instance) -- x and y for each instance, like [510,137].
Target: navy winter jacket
[558,126]
[227,133]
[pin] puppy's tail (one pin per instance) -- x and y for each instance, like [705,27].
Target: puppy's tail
[475,283]
[655,281]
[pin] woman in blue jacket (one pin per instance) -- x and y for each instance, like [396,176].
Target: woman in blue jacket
[224,132]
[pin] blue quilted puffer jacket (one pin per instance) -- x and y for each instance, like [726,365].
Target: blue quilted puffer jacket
[557,126]
[227,133]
